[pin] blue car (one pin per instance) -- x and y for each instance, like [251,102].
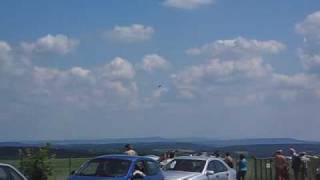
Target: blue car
[119,167]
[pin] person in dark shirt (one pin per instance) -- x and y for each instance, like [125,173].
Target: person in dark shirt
[295,163]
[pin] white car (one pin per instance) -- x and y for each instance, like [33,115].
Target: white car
[8,172]
[198,168]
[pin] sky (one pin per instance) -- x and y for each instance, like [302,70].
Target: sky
[223,69]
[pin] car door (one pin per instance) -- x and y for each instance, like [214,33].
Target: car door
[3,173]
[219,169]
[7,173]
[153,171]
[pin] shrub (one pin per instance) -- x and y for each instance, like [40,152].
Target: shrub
[35,163]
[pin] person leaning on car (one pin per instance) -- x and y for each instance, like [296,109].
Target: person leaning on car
[129,150]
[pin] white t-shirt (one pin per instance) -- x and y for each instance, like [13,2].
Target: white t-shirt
[131,152]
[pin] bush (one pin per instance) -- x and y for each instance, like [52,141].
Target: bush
[35,163]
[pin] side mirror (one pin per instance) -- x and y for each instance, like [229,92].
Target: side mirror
[209,173]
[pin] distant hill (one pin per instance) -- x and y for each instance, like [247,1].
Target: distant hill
[194,140]
[158,148]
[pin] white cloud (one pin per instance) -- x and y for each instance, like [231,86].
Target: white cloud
[118,68]
[79,71]
[151,62]
[156,96]
[133,33]
[310,60]
[59,43]
[310,26]
[200,78]
[188,4]
[4,47]
[309,53]
[238,47]
[297,85]
[4,54]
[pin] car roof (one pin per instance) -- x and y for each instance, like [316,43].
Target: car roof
[123,157]
[203,158]
[2,164]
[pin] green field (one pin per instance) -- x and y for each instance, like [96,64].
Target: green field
[258,170]
[61,167]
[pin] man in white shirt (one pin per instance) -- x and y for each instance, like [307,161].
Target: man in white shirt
[129,150]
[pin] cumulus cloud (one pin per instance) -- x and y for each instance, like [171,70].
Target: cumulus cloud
[188,4]
[309,60]
[4,54]
[118,68]
[309,53]
[200,78]
[309,28]
[59,43]
[133,33]
[151,62]
[297,85]
[79,71]
[238,46]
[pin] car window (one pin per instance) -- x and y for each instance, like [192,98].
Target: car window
[152,168]
[217,166]
[105,168]
[14,175]
[3,174]
[188,165]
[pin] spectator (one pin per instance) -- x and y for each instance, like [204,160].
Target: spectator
[295,163]
[304,166]
[243,168]
[281,166]
[217,154]
[168,157]
[139,171]
[129,150]
[229,160]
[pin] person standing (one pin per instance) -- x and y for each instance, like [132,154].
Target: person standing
[281,166]
[129,150]
[295,163]
[304,166]
[243,168]
[229,160]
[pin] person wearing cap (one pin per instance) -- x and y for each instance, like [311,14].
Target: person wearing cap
[129,150]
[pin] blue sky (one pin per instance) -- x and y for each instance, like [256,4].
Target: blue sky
[227,69]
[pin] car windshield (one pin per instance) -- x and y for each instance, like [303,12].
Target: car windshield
[105,168]
[186,165]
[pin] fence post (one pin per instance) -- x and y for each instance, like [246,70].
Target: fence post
[270,172]
[261,172]
[70,164]
[255,169]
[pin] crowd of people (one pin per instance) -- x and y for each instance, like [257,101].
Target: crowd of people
[298,162]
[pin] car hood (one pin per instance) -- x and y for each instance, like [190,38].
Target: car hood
[174,175]
[95,178]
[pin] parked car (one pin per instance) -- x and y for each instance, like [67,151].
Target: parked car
[198,168]
[119,167]
[8,172]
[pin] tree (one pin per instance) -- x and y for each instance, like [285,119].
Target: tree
[35,163]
